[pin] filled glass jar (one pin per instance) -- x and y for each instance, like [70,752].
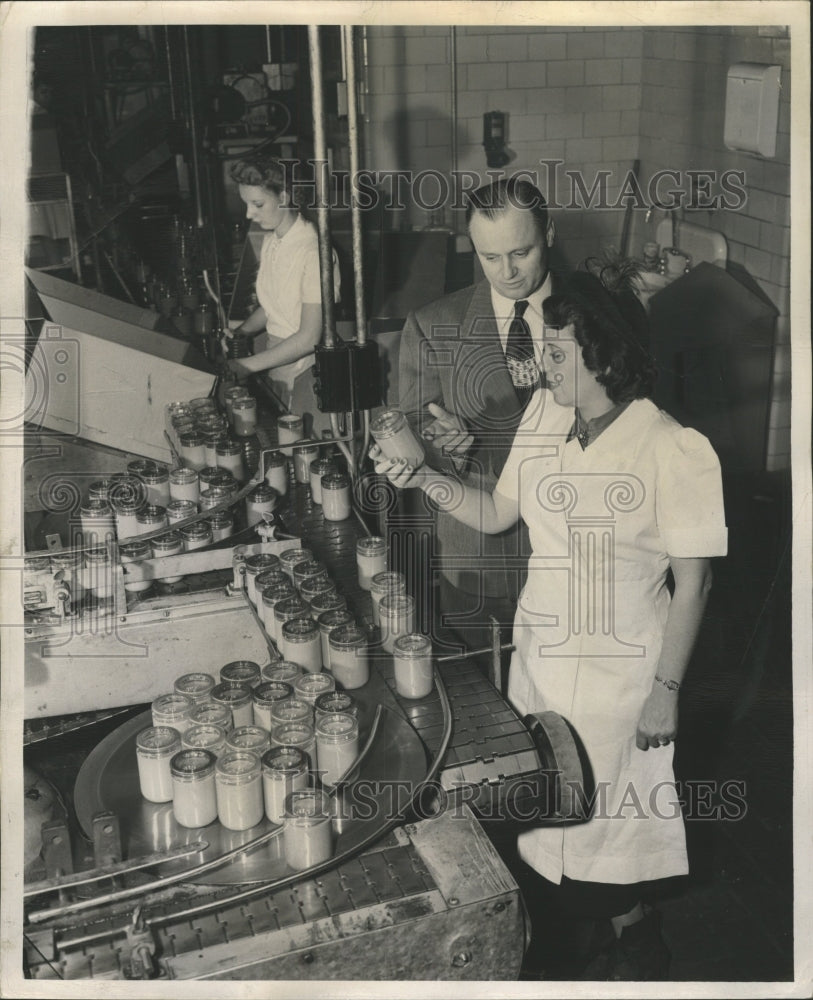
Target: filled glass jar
[243,671]
[170,544]
[264,696]
[371,559]
[397,613]
[412,655]
[328,621]
[237,698]
[194,798]
[337,746]
[205,737]
[307,829]
[184,484]
[396,439]
[381,584]
[172,710]
[155,748]
[349,656]
[285,770]
[196,685]
[300,643]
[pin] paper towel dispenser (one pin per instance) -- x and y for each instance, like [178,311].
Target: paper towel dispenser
[752,108]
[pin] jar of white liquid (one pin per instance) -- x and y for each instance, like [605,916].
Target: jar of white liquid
[282,670]
[371,559]
[349,662]
[155,748]
[184,484]
[276,472]
[139,466]
[268,578]
[308,687]
[196,536]
[285,611]
[257,739]
[396,439]
[300,643]
[293,711]
[305,452]
[237,698]
[98,523]
[315,586]
[243,671]
[337,746]
[100,490]
[125,510]
[135,552]
[194,798]
[289,558]
[264,697]
[263,499]
[213,496]
[271,596]
[328,621]
[397,613]
[210,714]
[172,710]
[180,510]
[239,784]
[385,583]
[296,734]
[244,415]
[230,457]
[327,601]
[212,476]
[336,504]
[205,737]
[307,829]
[192,447]
[261,562]
[412,654]
[156,482]
[289,430]
[151,518]
[233,392]
[197,686]
[211,439]
[285,770]
[99,574]
[318,468]
[170,544]
[335,703]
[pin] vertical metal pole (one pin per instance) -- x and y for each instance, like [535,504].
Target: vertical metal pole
[322,178]
[496,660]
[355,210]
[193,128]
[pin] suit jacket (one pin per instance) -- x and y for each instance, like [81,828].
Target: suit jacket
[450,354]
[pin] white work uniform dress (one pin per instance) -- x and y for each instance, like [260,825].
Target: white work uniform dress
[288,278]
[603,523]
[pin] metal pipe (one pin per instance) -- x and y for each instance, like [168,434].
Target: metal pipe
[355,209]
[453,61]
[322,185]
[173,110]
[193,128]
[268,43]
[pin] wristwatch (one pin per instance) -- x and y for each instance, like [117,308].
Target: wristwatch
[670,684]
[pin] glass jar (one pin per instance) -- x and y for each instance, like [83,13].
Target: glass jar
[289,558]
[213,496]
[396,439]
[371,559]
[385,583]
[276,472]
[203,322]
[197,686]
[264,696]
[239,787]
[155,748]
[244,671]
[271,596]
[309,686]
[300,643]
[139,466]
[290,710]
[184,484]
[296,734]
[172,710]
[211,438]
[349,657]
[258,563]
[170,544]
[333,703]
[307,829]
[205,737]
[156,482]
[151,518]
[125,511]
[257,739]
[100,574]
[229,395]
[327,621]
[180,510]
[196,535]
[135,552]
[328,601]
[281,670]
[194,798]
[286,610]
[222,525]
[98,524]
[316,586]
[285,770]
[412,655]
[307,569]
[269,578]
[213,476]
[260,501]
[191,445]
[289,430]
[305,452]
[100,490]
[210,714]
[244,415]
[337,746]
[397,613]
[320,467]
[71,564]
[336,497]
[229,455]
[237,698]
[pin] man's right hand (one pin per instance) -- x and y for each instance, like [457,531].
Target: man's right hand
[447,432]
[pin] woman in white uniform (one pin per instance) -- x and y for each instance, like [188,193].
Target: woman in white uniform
[618,498]
[288,284]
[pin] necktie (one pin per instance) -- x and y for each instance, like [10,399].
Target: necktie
[519,354]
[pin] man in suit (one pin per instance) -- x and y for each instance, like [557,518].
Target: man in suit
[467,367]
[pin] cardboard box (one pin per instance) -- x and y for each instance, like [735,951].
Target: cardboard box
[100,369]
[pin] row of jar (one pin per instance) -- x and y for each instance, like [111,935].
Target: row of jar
[202,417]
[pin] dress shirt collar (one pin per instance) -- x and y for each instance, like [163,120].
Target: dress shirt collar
[586,431]
[504,308]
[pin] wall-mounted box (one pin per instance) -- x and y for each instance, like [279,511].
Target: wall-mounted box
[752,108]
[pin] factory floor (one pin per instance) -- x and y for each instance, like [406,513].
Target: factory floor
[731,918]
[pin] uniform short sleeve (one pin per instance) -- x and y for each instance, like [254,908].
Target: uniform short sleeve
[311,288]
[689,502]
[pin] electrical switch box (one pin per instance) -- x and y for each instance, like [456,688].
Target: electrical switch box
[752,108]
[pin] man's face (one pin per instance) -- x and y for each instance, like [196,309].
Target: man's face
[513,250]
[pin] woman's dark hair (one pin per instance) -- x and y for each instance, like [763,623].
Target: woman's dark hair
[511,192]
[262,171]
[611,328]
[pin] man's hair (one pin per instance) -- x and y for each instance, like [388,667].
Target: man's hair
[612,331]
[512,192]
[261,171]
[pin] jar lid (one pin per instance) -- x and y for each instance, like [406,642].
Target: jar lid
[299,629]
[154,473]
[334,619]
[348,637]
[185,507]
[206,736]
[228,447]
[388,580]
[262,494]
[177,706]
[307,805]
[327,600]
[238,765]
[159,739]
[371,545]
[310,686]
[308,567]
[232,692]
[253,738]
[295,734]
[293,710]
[100,489]
[194,684]
[334,702]
[168,542]
[387,422]
[269,692]
[212,473]
[96,508]
[245,671]
[192,763]
[291,607]
[202,402]
[289,420]
[196,530]
[412,644]
[339,727]
[183,476]
[268,577]
[396,604]
[313,586]
[210,714]
[275,592]
[213,432]
[136,549]
[261,561]
[151,513]
[282,670]
[191,439]
[97,555]
[322,467]
[235,391]
[335,481]
[69,558]
[290,557]
[243,403]
[284,760]
[127,504]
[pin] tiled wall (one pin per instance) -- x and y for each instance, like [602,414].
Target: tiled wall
[596,99]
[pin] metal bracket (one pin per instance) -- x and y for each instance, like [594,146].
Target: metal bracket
[56,851]
[106,839]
